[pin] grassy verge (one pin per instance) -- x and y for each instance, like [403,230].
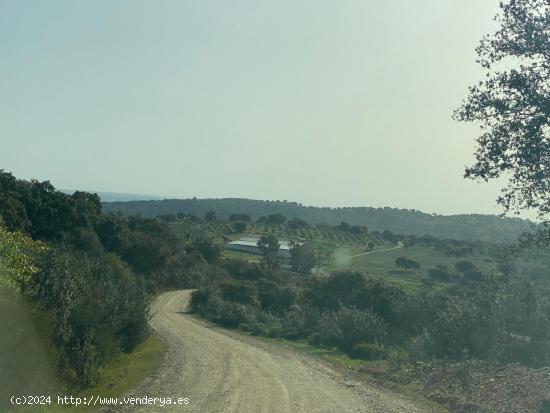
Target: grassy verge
[122,374]
[27,361]
[27,357]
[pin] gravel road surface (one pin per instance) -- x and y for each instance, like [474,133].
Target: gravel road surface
[224,371]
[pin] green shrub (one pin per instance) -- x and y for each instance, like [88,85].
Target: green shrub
[314,339]
[349,326]
[259,329]
[418,347]
[240,292]
[91,324]
[368,351]
[397,359]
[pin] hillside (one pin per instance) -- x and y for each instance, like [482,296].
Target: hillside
[404,221]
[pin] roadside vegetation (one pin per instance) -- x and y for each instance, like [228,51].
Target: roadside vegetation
[492,317]
[82,281]
[453,330]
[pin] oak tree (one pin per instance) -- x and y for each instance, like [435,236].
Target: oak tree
[512,106]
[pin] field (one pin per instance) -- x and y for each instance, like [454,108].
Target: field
[340,250]
[188,227]
[383,263]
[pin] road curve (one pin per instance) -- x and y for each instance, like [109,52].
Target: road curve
[223,371]
[399,245]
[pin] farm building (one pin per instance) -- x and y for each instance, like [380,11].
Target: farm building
[250,245]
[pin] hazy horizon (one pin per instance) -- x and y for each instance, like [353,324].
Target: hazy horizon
[332,104]
[125,197]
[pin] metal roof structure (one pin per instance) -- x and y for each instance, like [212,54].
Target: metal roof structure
[253,242]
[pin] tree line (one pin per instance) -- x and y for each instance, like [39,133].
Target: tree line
[404,221]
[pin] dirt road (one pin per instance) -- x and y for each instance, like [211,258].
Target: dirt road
[223,371]
[399,245]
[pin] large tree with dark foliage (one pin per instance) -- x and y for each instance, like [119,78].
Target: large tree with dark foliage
[269,246]
[512,106]
[47,214]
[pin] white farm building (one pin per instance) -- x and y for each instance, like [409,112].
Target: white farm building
[250,245]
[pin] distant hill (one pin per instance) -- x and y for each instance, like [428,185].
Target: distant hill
[404,221]
[116,196]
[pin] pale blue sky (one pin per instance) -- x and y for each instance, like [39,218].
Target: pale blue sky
[343,102]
